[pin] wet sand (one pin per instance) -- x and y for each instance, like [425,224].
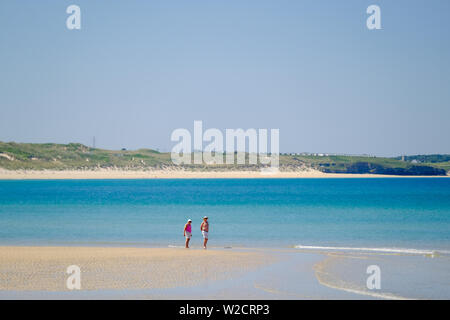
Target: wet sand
[236,273]
[44,268]
[162,273]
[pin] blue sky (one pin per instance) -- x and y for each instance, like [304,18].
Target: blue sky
[137,70]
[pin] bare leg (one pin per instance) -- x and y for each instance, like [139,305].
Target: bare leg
[187,243]
[204,243]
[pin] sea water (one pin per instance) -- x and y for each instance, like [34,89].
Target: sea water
[380,213]
[401,225]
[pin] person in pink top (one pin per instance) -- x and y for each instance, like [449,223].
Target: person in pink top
[188,232]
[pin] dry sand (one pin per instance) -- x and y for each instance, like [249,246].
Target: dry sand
[44,268]
[169,174]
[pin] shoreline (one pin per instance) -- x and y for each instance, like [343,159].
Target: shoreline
[44,268]
[177,273]
[163,273]
[179,174]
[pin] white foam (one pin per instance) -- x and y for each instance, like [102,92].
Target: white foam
[389,296]
[386,250]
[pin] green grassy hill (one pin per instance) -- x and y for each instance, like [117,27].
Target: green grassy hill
[361,164]
[75,156]
[438,160]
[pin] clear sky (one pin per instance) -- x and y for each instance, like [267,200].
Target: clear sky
[137,70]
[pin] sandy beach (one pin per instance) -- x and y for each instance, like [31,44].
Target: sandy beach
[218,273]
[161,273]
[44,268]
[174,174]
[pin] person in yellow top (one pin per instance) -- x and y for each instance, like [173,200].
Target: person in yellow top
[204,227]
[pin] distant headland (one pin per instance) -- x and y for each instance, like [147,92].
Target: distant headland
[75,160]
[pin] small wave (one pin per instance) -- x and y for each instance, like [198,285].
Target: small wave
[388,296]
[385,250]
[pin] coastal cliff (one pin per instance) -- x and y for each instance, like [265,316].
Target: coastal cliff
[76,156]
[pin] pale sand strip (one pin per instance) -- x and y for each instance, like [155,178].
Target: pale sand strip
[171,174]
[44,268]
[325,275]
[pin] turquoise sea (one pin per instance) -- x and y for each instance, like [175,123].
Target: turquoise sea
[401,225]
[405,213]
